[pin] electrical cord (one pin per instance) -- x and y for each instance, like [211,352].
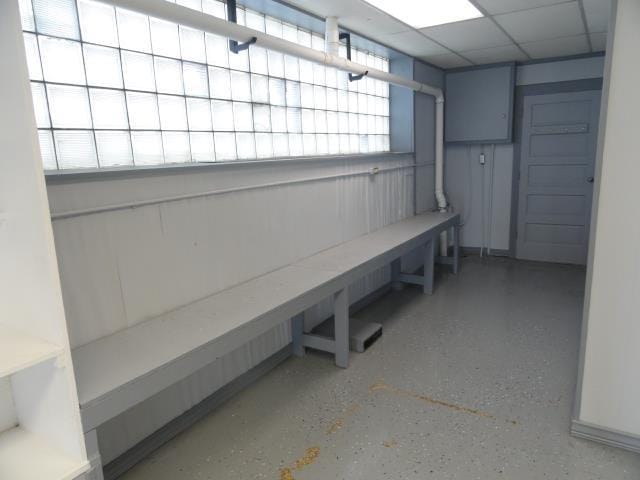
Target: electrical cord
[493,166]
[482,205]
[469,199]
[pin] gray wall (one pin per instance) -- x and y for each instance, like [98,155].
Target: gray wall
[413,126]
[481,194]
[465,179]
[424,111]
[401,108]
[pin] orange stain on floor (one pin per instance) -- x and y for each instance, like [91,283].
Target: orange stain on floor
[310,456]
[452,406]
[339,423]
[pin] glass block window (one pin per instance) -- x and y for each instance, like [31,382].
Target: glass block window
[112,87]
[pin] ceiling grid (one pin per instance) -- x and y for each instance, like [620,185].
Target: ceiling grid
[509,30]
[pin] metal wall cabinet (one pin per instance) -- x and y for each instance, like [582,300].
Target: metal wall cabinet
[479,104]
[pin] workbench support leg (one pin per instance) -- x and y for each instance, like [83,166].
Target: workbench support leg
[456,248]
[429,260]
[396,284]
[297,333]
[341,327]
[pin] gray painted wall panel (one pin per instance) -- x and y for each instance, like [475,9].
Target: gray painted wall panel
[552,148]
[465,181]
[554,114]
[424,115]
[558,234]
[560,71]
[428,74]
[555,175]
[401,108]
[560,205]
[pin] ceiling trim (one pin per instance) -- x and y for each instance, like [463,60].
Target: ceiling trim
[535,61]
[481,67]
[562,58]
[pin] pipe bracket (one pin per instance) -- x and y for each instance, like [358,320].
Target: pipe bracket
[347,36]
[355,78]
[236,47]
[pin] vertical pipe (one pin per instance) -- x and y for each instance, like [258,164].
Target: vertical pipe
[332,36]
[297,333]
[439,174]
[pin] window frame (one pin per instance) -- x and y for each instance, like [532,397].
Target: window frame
[353,92]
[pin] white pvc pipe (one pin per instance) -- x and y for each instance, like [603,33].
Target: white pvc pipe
[222,191]
[439,173]
[332,36]
[172,12]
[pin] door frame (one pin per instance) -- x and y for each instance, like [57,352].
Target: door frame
[521,92]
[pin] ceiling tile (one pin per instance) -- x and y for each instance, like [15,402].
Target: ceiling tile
[543,23]
[557,47]
[508,53]
[599,41]
[495,7]
[449,60]
[469,34]
[412,43]
[597,13]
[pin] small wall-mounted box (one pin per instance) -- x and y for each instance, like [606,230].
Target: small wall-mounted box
[479,104]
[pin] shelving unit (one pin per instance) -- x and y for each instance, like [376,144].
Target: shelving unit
[18,445]
[41,436]
[19,351]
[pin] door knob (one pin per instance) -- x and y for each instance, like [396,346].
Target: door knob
[590,179]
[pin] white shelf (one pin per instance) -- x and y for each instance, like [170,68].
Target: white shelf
[19,351]
[24,456]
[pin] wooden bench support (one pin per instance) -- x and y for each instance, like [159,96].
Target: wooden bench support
[339,345]
[455,259]
[341,321]
[425,280]
[456,248]
[396,271]
[319,342]
[411,278]
[297,334]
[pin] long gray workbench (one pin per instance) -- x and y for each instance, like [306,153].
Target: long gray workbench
[116,372]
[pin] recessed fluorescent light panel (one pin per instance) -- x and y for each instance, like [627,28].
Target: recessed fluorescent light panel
[427,13]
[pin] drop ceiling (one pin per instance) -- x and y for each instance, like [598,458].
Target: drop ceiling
[511,30]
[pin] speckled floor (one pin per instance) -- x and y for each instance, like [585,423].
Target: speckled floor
[474,382]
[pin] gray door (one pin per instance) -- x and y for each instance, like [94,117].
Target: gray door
[559,135]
